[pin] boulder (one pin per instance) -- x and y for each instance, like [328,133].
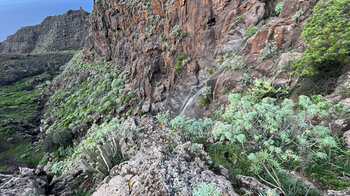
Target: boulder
[63,185]
[156,171]
[26,183]
[254,12]
[346,137]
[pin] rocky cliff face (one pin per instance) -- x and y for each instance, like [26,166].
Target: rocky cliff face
[56,33]
[171,48]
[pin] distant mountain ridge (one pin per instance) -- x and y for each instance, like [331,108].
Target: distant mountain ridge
[56,33]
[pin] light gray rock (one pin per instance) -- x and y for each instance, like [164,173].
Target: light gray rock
[254,13]
[286,58]
[346,137]
[345,192]
[63,185]
[25,184]
[4,178]
[156,171]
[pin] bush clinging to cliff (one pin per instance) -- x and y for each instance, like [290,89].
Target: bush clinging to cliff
[327,35]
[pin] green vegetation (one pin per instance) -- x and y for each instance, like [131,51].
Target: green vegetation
[164,117]
[230,156]
[270,51]
[181,61]
[178,32]
[80,122]
[206,91]
[17,151]
[251,30]
[235,62]
[263,88]
[275,135]
[82,193]
[278,8]
[245,80]
[88,90]
[297,15]
[292,187]
[203,101]
[191,129]
[18,102]
[323,82]
[328,170]
[262,133]
[265,135]
[18,106]
[100,151]
[205,189]
[327,34]
[205,98]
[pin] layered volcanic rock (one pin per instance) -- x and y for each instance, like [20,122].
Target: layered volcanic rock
[168,48]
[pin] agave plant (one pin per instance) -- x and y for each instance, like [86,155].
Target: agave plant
[104,157]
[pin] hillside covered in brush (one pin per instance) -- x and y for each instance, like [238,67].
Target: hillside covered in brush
[28,67]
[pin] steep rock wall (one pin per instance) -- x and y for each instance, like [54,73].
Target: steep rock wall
[151,41]
[145,38]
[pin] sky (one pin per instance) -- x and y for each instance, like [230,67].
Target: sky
[15,14]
